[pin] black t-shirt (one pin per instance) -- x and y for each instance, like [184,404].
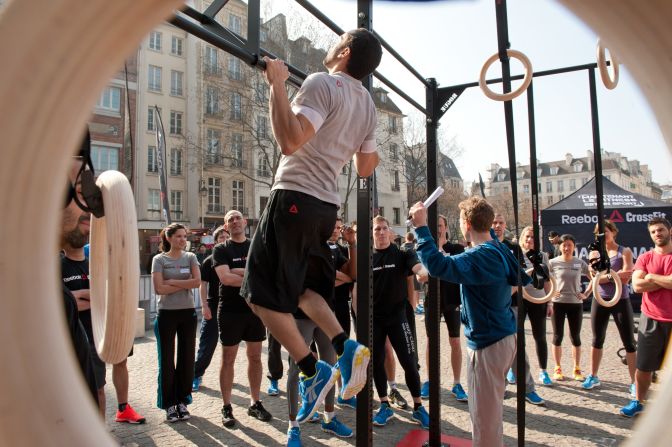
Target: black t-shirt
[391,268]
[450,292]
[233,254]
[75,274]
[340,256]
[518,254]
[208,274]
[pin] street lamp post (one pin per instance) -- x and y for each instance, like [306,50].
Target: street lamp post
[202,192]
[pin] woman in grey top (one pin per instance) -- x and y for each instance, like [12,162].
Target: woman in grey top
[175,273]
[567,270]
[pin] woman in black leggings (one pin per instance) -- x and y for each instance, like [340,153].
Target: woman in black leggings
[620,259]
[536,312]
[567,303]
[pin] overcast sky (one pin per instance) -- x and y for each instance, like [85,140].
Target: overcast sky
[450,41]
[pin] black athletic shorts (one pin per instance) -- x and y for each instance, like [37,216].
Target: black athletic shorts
[99,369]
[652,340]
[235,327]
[289,252]
[451,315]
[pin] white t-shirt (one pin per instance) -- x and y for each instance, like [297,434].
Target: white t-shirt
[344,118]
[568,278]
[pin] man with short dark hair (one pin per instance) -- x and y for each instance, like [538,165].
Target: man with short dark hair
[653,279]
[486,271]
[331,120]
[236,320]
[554,240]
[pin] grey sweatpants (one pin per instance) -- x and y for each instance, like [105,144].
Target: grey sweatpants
[486,371]
[310,332]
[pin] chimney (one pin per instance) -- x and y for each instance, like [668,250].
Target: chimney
[589,159]
[568,159]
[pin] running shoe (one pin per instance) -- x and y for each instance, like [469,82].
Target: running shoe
[459,393]
[129,415]
[315,418]
[227,416]
[578,375]
[196,384]
[534,398]
[352,364]
[632,409]
[273,388]
[419,309]
[336,427]
[424,391]
[383,415]
[171,414]
[421,417]
[633,391]
[351,403]
[258,411]
[314,389]
[183,412]
[397,399]
[294,437]
[590,382]
[545,379]
[557,375]
[511,377]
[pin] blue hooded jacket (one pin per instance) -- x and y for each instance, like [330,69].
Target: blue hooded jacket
[486,274]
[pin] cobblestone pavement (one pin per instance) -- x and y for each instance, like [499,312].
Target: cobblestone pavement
[572,416]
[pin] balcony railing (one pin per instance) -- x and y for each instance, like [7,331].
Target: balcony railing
[238,163]
[214,159]
[263,173]
[215,209]
[212,69]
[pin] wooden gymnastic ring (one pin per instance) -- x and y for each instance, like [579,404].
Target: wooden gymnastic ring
[545,299]
[617,293]
[115,277]
[511,95]
[602,66]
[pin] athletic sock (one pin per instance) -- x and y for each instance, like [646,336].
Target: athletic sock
[416,405]
[307,365]
[293,424]
[339,343]
[392,384]
[122,407]
[328,416]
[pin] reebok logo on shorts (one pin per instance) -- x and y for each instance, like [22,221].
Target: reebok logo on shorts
[294,209]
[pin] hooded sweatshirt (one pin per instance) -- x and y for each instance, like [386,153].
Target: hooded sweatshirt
[486,273]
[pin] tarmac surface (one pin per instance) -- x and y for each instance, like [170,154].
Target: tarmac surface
[572,416]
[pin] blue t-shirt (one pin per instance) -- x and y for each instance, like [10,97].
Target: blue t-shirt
[486,274]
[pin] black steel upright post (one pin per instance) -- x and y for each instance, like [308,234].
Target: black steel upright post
[364,273]
[503,45]
[597,150]
[253,24]
[432,300]
[533,168]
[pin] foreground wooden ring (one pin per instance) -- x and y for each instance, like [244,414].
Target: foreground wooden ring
[617,293]
[511,95]
[548,297]
[607,80]
[115,277]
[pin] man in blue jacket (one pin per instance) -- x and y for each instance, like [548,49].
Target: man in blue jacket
[486,272]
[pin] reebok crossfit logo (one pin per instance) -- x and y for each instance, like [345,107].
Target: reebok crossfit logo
[615,216]
[75,278]
[294,209]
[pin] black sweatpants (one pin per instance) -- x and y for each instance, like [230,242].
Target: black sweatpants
[175,378]
[623,317]
[398,330]
[275,368]
[410,318]
[537,314]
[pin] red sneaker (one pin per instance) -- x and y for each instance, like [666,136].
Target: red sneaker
[129,415]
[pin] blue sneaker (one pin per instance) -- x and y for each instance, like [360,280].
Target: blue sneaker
[459,393]
[632,409]
[534,398]
[633,391]
[420,309]
[196,384]
[315,418]
[545,379]
[352,364]
[351,403]
[590,382]
[384,414]
[511,377]
[314,389]
[424,392]
[421,417]
[336,427]
[273,388]
[294,437]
